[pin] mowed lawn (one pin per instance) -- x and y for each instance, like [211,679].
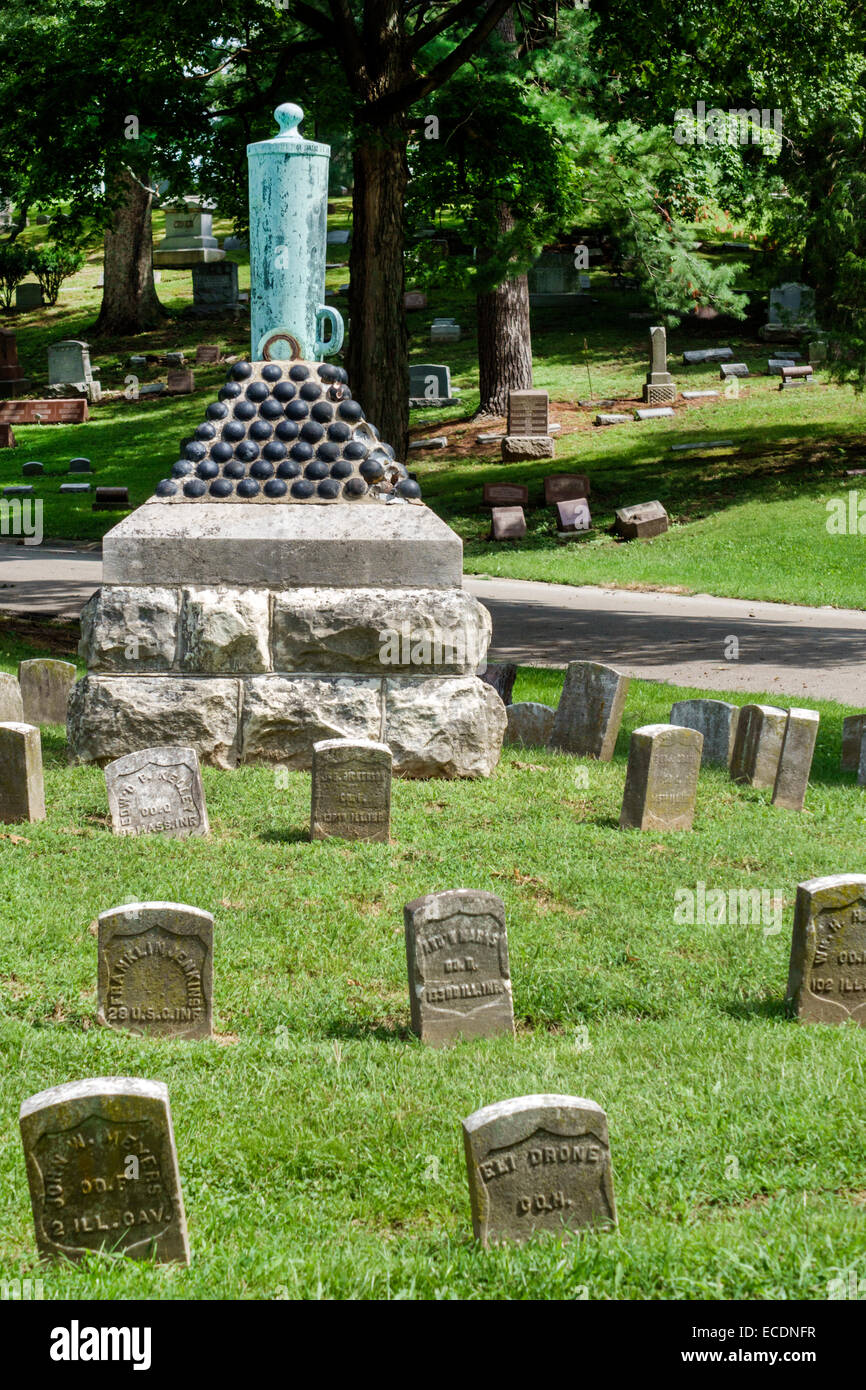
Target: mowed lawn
[319,1143]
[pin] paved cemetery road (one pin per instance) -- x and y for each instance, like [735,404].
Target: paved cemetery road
[804,653]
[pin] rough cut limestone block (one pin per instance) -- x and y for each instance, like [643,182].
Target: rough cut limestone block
[45,686]
[527,446]
[400,545]
[758,744]
[457,959]
[662,778]
[590,709]
[86,1195]
[11,703]
[827,974]
[113,715]
[375,631]
[530,725]
[716,720]
[130,629]
[853,729]
[283,716]
[795,759]
[156,970]
[538,1163]
[351,790]
[443,727]
[22,793]
[225,631]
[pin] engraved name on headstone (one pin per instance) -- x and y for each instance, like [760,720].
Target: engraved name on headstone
[758,744]
[590,709]
[156,970]
[22,794]
[45,686]
[538,1163]
[457,958]
[662,778]
[827,974]
[157,790]
[528,412]
[716,720]
[795,759]
[102,1169]
[351,792]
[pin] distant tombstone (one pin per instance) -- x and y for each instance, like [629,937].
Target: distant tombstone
[74,487]
[157,791]
[11,380]
[565,487]
[758,745]
[530,725]
[340,237]
[775,365]
[590,710]
[414,299]
[606,419]
[430,385]
[33,469]
[111,499]
[235,243]
[655,412]
[729,369]
[659,387]
[573,516]
[795,759]
[174,359]
[553,277]
[102,1169]
[509,523]
[11,703]
[528,412]
[698,395]
[22,792]
[457,959]
[538,1163]
[505,495]
[207,353]
[189,238]
[827,972]
[69,363]
[80,465]
[214,287]
[19,490]
[661,781]
[853,729]
[502,679]
[156,970]
[641,522]
[45,687]
[445,331]
[707,355]
[28,295]
[7,434]
[351,791]
[716,720]
[180,383]
[792,305]
[818,352]
[518,448]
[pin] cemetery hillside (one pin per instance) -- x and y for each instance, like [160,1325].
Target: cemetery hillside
[433,665]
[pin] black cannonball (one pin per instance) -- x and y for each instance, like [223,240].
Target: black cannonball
[303,488]
[230,391]
[372,470]
[260,430]
[241,370]
[297,410]
[407,487]
[248,488]
[341,374]
[299,372]
[274,451]
[327,372]
[355,487]
[287,430]
[289,469]
[317,469]
[271,410]
[301,451]
[272,371]
[221,487]
[181,469]
[194,487]
[310,391]
[257,391]
[312,432]
[205,432]
[195,451]
[341,469]
[207,469]
[329,489]
[262,469]
[221,451]
[166,488]
[234,431]
[329,452]
[339,431]
[217,411]
[276,488]
[349,410]
[322,412]
[355,450]
[247,451]
[234,469]
[285,391]
[245,410]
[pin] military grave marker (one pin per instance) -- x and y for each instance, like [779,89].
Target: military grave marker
[590,709]
[827,973]
[156,970]
[758,745]
[22,794]
[716,720]
[157,791]
[795,759]
[351,792]
[457,959]
[45,686]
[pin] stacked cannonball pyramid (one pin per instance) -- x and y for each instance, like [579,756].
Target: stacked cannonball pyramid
[286,432]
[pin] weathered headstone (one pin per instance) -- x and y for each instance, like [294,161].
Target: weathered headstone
[565,487]
[18,490]
[716,720]
[528,412]
[530,725]
[795,759]
[28,295]
[414,299]
[641,522]
[590,710]
[729,369]
[661,782]
[758,744]
[853,729]
[702,447]
[11,703]
[74,487]
[45,687]
[457,958]
[33,469]
[707,355]
[189,239]
[207,353]
[102,1169]
[430,385]
[214,288]
[698,395]
[659,388]
[156,970]
[157,791]
[69,368]
[110,499]
[573,516]
[80,465]
[22,793]
[445,331]
[827,973]
[509,523]
[11,379]
[501,678]
[655,412]
[606,419]
[518,448]
[538,1163]
[180,382]
[351,792]
[505,495]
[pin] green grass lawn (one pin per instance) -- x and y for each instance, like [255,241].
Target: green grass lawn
[319,1143]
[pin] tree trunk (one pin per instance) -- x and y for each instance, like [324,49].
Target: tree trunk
[504,342]
[129,300]
[378,351]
